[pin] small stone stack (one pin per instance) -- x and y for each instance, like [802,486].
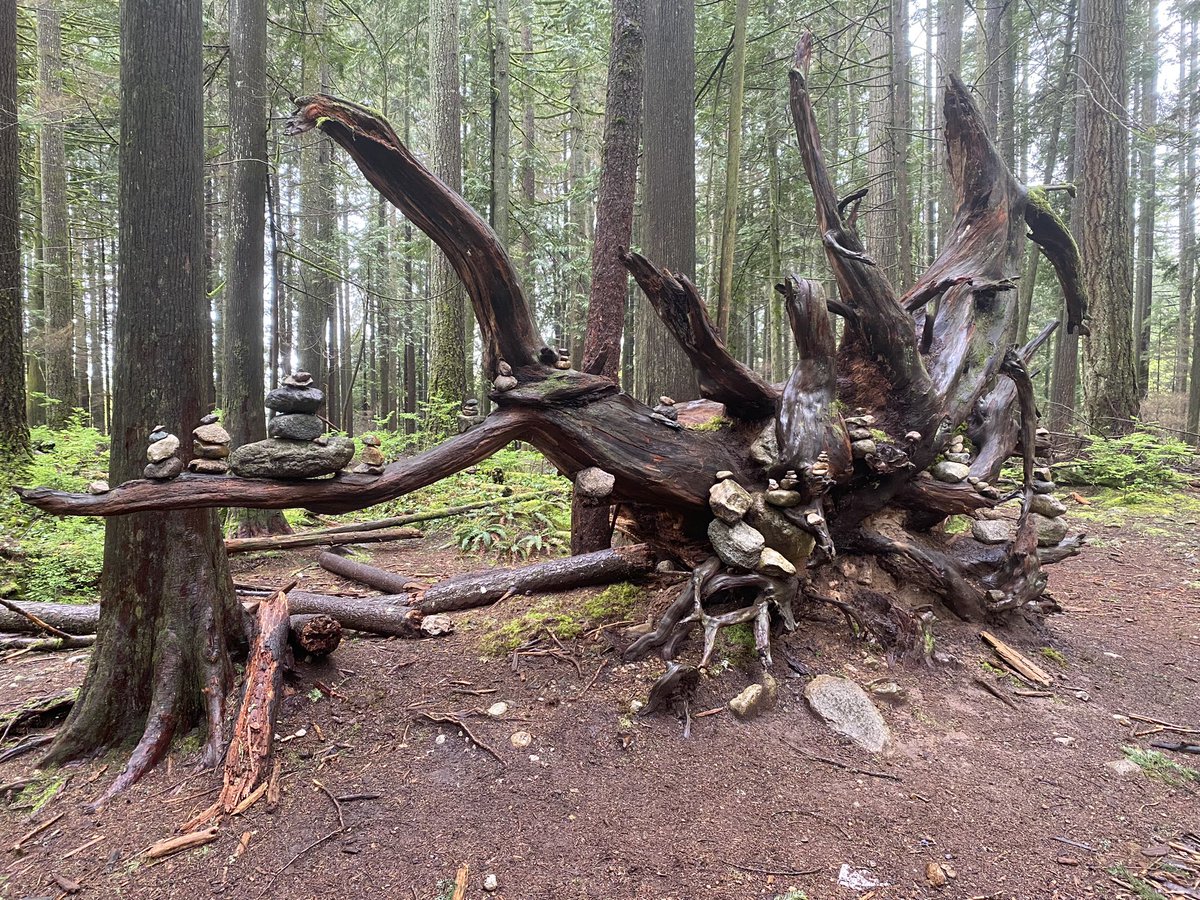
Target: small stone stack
[505,381]
[564,359]
[297,447]
[468,416]
[370,461]
[210,446]
[858,429]
[1046,512]
[162,453]
[666,407]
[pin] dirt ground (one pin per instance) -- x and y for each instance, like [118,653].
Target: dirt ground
[1013,802]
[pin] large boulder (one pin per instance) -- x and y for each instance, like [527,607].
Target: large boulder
[847,709]
[274,458]
[950,472]
[1050,532]
[788,540]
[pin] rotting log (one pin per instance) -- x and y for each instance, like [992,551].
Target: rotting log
[315,635]
[318,539]
[909,371]
[248,760]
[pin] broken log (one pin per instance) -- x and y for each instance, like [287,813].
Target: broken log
[317,635]
[248,760]
[371,576]
[1018,661]
[45,644]
[317,539]
[69,617]
[390,616]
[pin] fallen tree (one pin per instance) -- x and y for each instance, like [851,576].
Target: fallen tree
[833,462]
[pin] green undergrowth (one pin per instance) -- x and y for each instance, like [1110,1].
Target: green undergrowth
[47,557]
[35,795]
[1141,466]
[1160,767]
[1142,889]
[565,618]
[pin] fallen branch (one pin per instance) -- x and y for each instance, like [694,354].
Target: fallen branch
[22,611]
[460,724]
[27,643]
[182,842]
[317,538]
[371,576]
[317,635]
[34,832]
[838,764]
[1025,666]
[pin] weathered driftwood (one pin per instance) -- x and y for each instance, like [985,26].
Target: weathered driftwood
[921,366]
[318,539]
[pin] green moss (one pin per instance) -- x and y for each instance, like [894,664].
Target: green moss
[44,789]
[737,644]
[714,424]
[957,525]
[879,436]
[614,602]
[1158,766]
[1055,656]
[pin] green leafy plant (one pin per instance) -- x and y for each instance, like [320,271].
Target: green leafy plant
[1140,465]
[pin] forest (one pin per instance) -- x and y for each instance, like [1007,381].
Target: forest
[598,413]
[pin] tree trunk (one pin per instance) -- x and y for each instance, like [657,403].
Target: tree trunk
[59,334]
[448,334]
[1107,246]
[160,664]
[1147,143]
[669,186]
[591,527]
[245,240]
[733,161]
[14,427]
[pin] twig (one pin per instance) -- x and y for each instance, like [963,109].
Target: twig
[336,803]
[995,692]
[1166,726]
[1071,843]
[757,871]
[30,835]
[841,765]
[587,687]
[459,723]
[287,865]
[183,842]
[45,626]
[83,847]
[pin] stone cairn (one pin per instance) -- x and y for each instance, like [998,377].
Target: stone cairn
[210,447]
[469,416]
[370,460]
[751,531]
[297,446]
[163,455]
[505,380]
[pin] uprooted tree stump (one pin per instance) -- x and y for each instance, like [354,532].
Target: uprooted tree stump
[914,370]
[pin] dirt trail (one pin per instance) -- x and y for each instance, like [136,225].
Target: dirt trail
[602,805]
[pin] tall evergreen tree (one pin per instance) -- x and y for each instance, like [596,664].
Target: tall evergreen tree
[14,428]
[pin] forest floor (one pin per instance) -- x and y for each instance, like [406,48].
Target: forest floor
[1028,801]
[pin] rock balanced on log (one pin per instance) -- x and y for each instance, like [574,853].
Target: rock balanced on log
[297,447]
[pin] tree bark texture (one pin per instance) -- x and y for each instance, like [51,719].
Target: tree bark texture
[1110,382]
[161,663]
[14,426]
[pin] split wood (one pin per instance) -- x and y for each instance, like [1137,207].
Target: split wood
[1017,660]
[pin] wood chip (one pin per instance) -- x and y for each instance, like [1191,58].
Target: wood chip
[1017,660]
[182,842]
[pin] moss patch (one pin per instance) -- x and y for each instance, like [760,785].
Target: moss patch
[564,618]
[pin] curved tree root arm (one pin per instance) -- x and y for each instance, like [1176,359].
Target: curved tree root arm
[879,363]
[247,762]
[481,588]
[938,500]
[330,495]
[808,424]
[931,566]
[722,378]
[1048,232]
[467,240]
[993,428]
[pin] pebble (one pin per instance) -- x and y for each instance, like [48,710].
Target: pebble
[503,368]
[521,739]
[98,487]
[440,739]
[371,456]
[723,474]
[504,383]
[158,433]
[774,564]
[210,419]
[203,466]
[497,710]
[490,882]
[863,449]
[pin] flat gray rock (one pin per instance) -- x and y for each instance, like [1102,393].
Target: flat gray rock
[288,399]
[594,484]
[950,472]
[793,543]
[274,458]
[992,531]
[739,546]
[1047,505]
[296,427]
[847,709]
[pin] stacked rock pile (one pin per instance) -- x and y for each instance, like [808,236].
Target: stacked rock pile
[164,462]
[370,461]
[666,407]
[505,380]
[468,416]
[753,531]
[862,440]
[564,359]
[210,446]
[297,446]
[1046,511]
